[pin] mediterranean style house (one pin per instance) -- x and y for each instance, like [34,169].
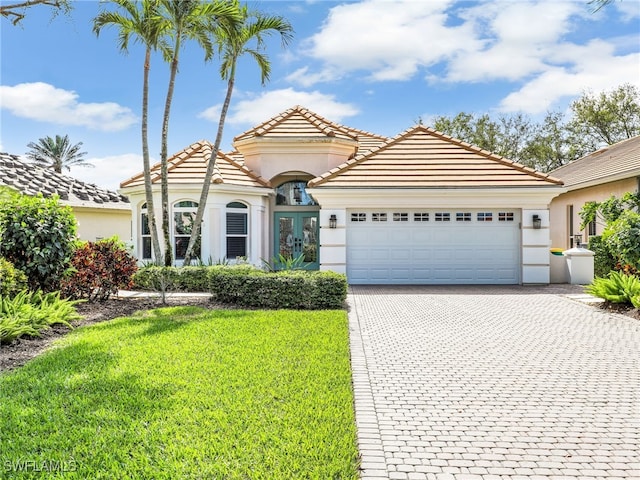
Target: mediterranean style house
[612,170]
[100,213]
[419,208]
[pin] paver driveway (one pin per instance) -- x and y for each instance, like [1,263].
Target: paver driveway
[493,383]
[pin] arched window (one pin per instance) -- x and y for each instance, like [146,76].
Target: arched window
[294,193]
[184,215]
[237,230]
[145,233]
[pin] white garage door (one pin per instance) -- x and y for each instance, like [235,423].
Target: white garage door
[433,246]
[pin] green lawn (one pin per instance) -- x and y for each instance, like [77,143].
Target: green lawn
[183,392]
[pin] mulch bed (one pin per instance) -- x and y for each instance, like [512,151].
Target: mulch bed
[24,349]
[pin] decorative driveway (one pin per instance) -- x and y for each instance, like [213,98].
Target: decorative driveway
[493,383]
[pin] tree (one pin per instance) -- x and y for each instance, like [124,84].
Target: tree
[141,22]
[608,117]
[57,153]
[16,10]
[233,41]
[186,20]
[598,4]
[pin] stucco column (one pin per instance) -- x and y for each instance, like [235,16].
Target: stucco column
[333,241]
[535,246]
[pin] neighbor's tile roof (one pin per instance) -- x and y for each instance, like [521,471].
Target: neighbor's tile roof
[423,157]
[606,164]
[31,179]
[190,165]
[298,121]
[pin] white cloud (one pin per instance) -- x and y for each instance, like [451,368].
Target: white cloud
[109,171]
[46,103]
[255,110]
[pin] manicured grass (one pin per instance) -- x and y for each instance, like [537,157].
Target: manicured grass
[183,392]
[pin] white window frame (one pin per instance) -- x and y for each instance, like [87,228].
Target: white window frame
[236,210]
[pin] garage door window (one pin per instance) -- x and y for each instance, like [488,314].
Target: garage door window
[358,217]
[421,217]
[443,217]
[378,217]
[463,217]
[485,216]
[505,216]
[400,217]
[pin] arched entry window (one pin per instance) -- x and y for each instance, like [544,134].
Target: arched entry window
[237,230]
[184,215]
[145,234]
[294,193]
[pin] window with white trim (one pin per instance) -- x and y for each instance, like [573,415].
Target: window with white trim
[184,216]
[358,217]
[378,217]
[421,217]
[463,217]
[400,217]
[237,230]
[505,216]
[145,234]
[485,217]
[591,228]
[443,217]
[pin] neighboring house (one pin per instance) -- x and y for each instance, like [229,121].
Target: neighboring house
[100,213]
[419,208]
[612,170]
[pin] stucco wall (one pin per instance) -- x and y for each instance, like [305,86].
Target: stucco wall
[96,223]
[559,209]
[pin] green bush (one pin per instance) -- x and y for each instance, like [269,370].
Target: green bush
[12,280]
[29,313]
[616,288]
[603,261]
[37,235]
[99,269]
[622,237]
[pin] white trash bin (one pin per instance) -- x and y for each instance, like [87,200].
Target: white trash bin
[580,265]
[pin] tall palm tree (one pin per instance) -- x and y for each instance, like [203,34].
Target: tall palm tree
[141,22]
[233,41]
[57,153]
[187,20]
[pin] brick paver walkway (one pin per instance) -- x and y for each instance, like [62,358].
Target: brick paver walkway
[488,383]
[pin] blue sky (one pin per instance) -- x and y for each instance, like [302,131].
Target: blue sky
[374,65]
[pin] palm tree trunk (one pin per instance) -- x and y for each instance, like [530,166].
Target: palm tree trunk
[151,214]
[209,174]
[168,255]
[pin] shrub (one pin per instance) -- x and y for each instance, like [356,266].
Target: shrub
[12,280]
[37,235]
[603,261]
[616,288]
[99,269]
[622,237]
[29,313]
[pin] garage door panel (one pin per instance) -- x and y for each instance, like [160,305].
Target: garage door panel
[434,252]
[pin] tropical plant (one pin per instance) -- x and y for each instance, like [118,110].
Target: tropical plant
[12,280]
[57,153]
[234,40]
[140,21]
[622,238]
[37,235]
[186,20]
[617,287]
[29,313]
[284,262]
[99,269]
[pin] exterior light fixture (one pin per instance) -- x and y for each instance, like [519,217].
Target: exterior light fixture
[333,221]
[537,221]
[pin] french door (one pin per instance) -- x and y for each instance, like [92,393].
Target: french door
[296,235]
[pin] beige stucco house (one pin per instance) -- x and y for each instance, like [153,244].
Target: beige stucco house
[612,170]
[418,208]
[100,213]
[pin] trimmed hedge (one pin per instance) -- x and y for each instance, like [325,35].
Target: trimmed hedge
[603,261]
[248,286]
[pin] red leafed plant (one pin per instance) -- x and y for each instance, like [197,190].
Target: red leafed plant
[98,270]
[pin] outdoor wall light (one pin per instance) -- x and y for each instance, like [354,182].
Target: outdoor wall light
[537,221]
[333,221]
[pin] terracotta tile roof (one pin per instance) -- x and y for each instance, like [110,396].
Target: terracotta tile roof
[31,179]
[190,165]
[298,121]
[423,157]
[613,162]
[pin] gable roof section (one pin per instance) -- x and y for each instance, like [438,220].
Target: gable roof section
[190,166]
[422,157]
[31,179]
[299,122]
[613,162]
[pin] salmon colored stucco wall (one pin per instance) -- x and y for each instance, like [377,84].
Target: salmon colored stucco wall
[95,223]
[559,209]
